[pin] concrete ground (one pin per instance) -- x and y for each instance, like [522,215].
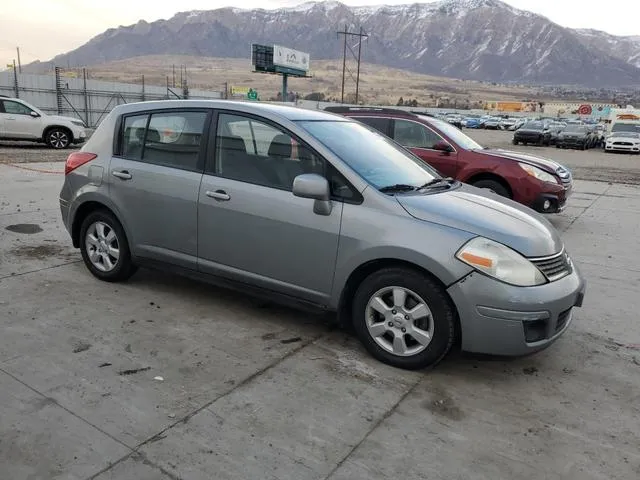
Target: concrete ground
[165,378]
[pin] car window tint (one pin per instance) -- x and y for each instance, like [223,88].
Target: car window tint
[133,136]
[16,108]
[174,139]
[412,134]
[380,124]
[256,152]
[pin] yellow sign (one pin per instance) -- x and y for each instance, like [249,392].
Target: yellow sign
[10,65]
[69,74]
[240,91]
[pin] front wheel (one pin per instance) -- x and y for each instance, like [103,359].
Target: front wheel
[58,138]
[104,247]
[404,318]
[494,186]
[515,142]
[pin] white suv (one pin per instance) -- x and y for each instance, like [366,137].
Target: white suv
[21,121]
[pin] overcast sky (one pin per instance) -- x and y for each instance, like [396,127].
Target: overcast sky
[45,28]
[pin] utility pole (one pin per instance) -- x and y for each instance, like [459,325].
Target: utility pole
[360,35]
[19,62]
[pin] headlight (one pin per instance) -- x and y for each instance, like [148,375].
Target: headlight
[78,123]
[500,262]
[538,173]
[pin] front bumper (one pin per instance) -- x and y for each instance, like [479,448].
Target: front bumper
[501,319]
[622,148]
[551,202]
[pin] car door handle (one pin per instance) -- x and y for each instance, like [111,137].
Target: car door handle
[123,174]
[218,195]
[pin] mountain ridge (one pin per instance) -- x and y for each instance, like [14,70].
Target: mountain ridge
[485,40]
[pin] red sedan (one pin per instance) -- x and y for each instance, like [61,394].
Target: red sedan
[539,183]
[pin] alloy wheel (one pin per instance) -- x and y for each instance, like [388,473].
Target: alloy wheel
[399,321]
[103,246]
[58,139]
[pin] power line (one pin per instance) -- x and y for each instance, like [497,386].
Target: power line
[347,34]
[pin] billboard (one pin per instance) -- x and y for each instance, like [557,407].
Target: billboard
[289,58]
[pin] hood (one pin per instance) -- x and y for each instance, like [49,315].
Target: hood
[60,118]
[484,213]
[540,162]
[623,138]
[530,130]
[573,134]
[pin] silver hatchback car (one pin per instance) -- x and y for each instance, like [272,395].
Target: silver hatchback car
[318,210]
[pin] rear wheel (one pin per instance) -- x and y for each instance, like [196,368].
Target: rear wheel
[58,138]
[104,247]
[493,185]
[404,318]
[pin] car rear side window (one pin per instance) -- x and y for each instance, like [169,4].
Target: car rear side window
[174,139]
[413,134]
[256,152]
[133,136]
[383,125]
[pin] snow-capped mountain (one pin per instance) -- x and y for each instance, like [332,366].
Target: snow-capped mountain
[470,39]
[624,48]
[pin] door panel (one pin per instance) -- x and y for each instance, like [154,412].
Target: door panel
[18,122]
[159,207]
[250,225]
[156,187]
[268,236]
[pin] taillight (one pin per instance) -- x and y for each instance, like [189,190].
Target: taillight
[77,159]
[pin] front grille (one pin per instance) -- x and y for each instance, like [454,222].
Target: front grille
[554,267]
[563,318]
[626,144]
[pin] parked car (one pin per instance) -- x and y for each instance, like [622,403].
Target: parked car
[538,183]
[623,142]
[534,132]
[21,121]
[601,134]
[492,123]
[472,121]
[318,210]
[575,136]
[507,123]
[518,124]
[554,130]
[455,120]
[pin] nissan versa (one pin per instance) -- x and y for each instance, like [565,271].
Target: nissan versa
[317,209]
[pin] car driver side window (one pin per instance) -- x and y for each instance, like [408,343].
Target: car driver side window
[252,151]
[414,135]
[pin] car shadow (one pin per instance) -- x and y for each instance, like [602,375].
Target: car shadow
[32,146]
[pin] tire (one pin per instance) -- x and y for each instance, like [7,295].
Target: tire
[540,141]
[58,138]
[515,142]
[557,145]
[436,319]
[110,234]
[494,186]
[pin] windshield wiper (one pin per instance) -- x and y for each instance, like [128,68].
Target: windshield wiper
[397,188]
[437,181]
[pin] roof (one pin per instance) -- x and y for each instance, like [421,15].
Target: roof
[342,109]
[257,108]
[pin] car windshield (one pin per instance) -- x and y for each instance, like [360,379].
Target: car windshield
[533,126]
[626,127]
[377,159]
[454,134]
[628,134]
[575,128]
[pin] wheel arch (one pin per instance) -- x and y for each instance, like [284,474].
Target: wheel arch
[490,176]
[361,272]
[83,211]
[48,128]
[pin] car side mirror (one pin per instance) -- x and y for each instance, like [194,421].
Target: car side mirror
[316,187]
[34,114]
[443,147]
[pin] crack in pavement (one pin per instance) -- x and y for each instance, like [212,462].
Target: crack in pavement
[186,418]
[13,275]
[585,210]
[375,426]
